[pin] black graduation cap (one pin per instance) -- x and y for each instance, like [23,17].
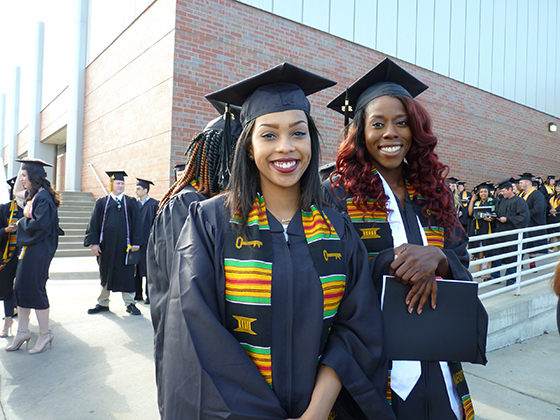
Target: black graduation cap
[37,164]
[506,183]
[461,182]
[11,182]
[144,183]
[482,185]
[326,170]
[387,78]
[180,167]
[548,178]
[278,89]
[116,175]
[527,176]
[452,180]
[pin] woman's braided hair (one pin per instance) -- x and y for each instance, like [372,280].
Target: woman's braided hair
[208,164]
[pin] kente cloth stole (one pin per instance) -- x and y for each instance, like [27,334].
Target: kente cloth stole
[248,279]
[374,228]
[12,237]
[195,184]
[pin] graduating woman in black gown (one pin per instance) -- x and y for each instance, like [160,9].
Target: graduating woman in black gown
[271,311]
[392,185]
[37,235]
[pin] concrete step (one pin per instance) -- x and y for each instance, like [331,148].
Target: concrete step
[82,213]
[76,207]
[65,224]
[74,232]
[74,268]
[71,244]
[74,219]
[71,238]
[82,252]
[75,194]
[514,318]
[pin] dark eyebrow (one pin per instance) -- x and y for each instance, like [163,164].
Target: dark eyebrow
[381,116]
[277,126]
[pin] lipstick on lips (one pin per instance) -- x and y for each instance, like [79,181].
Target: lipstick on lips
[285,165]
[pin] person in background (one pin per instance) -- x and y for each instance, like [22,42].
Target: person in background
[37,237]
[553,215]
[556,289]
[547,188]
[537,205]
[462,211]
[10,213]
[113,233]
[205,175]
[511,213]
[391,183]
[148,209]
[480,222]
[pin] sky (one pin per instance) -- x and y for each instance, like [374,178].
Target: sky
[18,21]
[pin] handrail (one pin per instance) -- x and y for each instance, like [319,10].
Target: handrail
[520,241]
[97,177]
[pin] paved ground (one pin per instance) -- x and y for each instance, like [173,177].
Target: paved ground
[101,366]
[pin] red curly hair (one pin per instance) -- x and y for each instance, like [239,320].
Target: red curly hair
[422,168]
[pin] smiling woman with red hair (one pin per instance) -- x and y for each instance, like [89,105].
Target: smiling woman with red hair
[391,183]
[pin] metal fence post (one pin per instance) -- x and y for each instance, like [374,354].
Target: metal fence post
[518,266]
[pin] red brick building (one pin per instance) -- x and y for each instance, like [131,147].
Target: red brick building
[144,95]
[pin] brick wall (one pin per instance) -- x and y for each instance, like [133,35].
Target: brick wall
[128,100]
[482,136]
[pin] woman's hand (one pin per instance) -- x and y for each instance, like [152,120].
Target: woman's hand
[418,265]
[134,248]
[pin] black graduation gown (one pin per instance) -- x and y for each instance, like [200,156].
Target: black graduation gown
[517,213]
[483,228]
[167,226]
[537,213]
[40,235]
[429,398]
[550,219]
[148,213]
[114,274]
[8,271]
[207,373]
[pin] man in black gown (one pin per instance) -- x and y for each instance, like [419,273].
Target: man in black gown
[114,230]
[148,211]
[536,202]
[511,213]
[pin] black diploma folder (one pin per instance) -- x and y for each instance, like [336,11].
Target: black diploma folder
[448,333]
[132,258]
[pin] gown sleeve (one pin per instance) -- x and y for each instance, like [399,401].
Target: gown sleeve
[519,214]
[206,372]
[31,231]
[93,229]
[355,348]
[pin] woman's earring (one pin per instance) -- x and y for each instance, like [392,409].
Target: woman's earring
[251,157]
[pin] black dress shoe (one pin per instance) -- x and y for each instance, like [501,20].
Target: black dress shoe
[137,297]
[98,308]
[132,309]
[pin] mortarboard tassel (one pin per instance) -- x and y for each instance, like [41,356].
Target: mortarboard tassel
[346,109]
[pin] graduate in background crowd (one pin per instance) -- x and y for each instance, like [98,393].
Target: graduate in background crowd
[10,213]
[148,209]
[511,213]
[312,326]
[553,214]
[115,229]
[37,237]
[205,175]
[462,211]
[392,184]
[481,222]
[537,211]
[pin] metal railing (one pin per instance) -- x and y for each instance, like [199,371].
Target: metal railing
[520,276]
[97,177]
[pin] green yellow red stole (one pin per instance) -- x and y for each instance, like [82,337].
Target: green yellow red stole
[12,237]
[248,279]
[374,228]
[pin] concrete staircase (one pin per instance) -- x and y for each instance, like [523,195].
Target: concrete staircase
[74,214]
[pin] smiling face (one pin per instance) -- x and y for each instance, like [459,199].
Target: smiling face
[387,133]
[25,182]
[483,194]
[118,187]
[281,149]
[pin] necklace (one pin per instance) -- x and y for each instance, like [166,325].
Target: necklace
[285,220]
